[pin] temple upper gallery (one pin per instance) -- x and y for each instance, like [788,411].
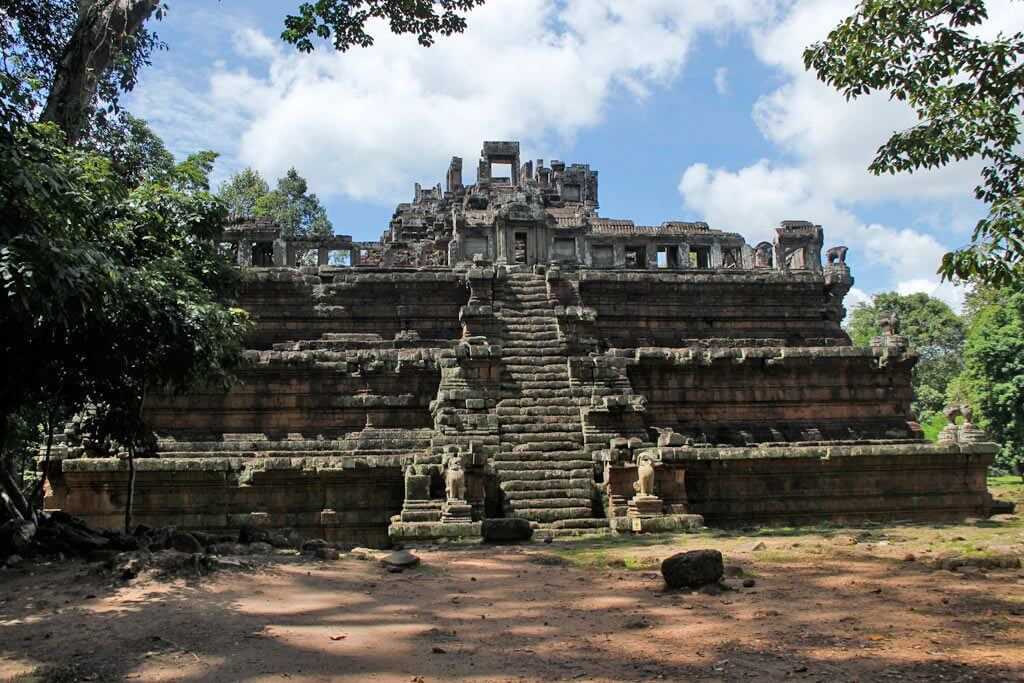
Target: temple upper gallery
[505,351]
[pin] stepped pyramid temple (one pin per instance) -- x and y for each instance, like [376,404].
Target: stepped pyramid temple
[505,351]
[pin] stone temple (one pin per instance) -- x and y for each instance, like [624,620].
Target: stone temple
[505,351]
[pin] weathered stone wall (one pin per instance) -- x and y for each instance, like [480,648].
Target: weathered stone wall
[664,308]
[278,396]
[292,304]
[789,486]
[756,395]
[337,500]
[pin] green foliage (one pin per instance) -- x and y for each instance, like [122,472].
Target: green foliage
[933,425]
[994,356]
[296,210]
[967,93]
[108,290]
[931,328]
[290,204]
[34,35]
[345,20]
[241,192]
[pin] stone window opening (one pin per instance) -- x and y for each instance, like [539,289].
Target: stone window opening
[571,193]
[565,249]
[700,257]
[730,258]
[263,254]
[604,255]
[305,257]
[520,247]
[636,257]
[340,257]
[796,258]
[668,257]
[501,172]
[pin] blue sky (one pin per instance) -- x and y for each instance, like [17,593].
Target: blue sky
[689,111]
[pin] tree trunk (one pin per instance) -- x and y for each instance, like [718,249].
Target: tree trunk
[14,498]
[101,30]
[131,490]
[40,491]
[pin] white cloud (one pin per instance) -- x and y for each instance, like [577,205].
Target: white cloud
[366,123]
[828,143]
[721,84]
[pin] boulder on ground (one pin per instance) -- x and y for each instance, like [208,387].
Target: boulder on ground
[286,538]
[506,530]
[15,535]
[312,545]
[184,542]
[252,533]
[326,554]
[692,569]
[402,558]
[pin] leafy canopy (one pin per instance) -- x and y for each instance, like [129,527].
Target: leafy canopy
[994,356]
[346,20]
[290,204]
[967,93]
[108,289]
[931,328]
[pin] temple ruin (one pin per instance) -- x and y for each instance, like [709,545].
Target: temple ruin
[504,350]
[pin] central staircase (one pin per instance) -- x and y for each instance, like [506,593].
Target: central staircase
[543,470]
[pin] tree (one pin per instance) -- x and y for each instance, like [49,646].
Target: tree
[241,192]
[296,210]
[994,375]
[967,93]
[110,281]
[84,54]
[76,57]
[290,204]
[346,20]
[109,291]
[932,329]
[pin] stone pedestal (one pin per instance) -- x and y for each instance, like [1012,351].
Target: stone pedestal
[455,510]
[643,505]
[644,514]
[421,511]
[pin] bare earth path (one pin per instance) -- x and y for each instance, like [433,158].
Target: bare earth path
[828,604]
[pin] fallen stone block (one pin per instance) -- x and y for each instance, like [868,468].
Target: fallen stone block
[693,568]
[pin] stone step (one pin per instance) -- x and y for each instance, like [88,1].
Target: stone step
[554,461]
[525,405]
[541,430]
[567,421]
[545,351]
[526,415]
[516,336]
[543,498]
[552,514]
[534,488]
[583,523]
[524,374]
[524,479]
[528,345]
[515,469]
[551,503]
[565,440]
[533,392]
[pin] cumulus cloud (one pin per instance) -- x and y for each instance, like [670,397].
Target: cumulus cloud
[367,122]
[827,144]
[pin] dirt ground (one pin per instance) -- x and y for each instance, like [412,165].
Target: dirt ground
[828,604]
